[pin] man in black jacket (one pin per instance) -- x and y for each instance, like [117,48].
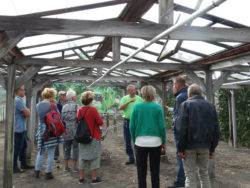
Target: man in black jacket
[197,134]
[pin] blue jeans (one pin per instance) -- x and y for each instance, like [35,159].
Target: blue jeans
[127,139]
[50,159]
[180,172]
[20,145]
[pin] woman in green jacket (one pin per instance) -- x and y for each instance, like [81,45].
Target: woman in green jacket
[148,133]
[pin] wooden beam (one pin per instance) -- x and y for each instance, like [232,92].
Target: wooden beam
[106,64]
[9,128]
[101,84]
[166,12]
[196,80]
[92,78]
[8,40]
[78,8]
[65,49]
[222,79]
[209,86]
[225,55]
[27,75]
[230,63]
[122,29]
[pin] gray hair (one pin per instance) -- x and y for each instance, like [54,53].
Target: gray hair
[129,86]
[148,92]
[194,89]
[70,94]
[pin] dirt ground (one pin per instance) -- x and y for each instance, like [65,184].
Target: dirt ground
[232,168]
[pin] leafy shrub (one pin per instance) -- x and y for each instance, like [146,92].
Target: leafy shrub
[242,105]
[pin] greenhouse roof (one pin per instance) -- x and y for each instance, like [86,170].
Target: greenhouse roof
[59,35]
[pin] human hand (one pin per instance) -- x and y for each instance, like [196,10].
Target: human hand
[211,155]
[181,155]
[163,149]
[132,100]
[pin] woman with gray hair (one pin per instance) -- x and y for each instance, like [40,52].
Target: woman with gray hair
[69,116]
[148,133]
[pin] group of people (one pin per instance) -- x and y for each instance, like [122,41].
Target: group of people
[70,112]
[195,128]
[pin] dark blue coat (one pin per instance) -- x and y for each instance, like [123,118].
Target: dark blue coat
[180,97]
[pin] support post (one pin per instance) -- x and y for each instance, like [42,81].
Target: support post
[234,119]
[210,97]
[163,99]
[116,48]
[28,87]
[166,12]
[230,119]
[9,128]
[209,86]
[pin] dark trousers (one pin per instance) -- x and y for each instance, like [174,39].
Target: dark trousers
[180,172]
[56,155]
[20,145]
[127,139]
[142,154]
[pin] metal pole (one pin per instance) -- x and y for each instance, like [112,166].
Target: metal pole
[234,119]
[163,34]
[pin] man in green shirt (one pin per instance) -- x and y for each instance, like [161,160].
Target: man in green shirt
[127,104]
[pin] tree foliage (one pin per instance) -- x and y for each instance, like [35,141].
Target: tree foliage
[170,103]
[242,105]
[106,98]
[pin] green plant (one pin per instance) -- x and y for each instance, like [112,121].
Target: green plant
[170,103]
[105,97]
[242,105]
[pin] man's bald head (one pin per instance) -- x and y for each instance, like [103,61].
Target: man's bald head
[194,90]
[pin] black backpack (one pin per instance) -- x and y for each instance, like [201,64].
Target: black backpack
[83,134]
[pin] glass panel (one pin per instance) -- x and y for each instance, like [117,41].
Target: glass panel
[149,72]
[73,57]
[47,67]
[234,44]
[142,55]
[50,56]
[93,14]
[17,7]
[189,3]
[201,47]
[63,45]
[185,56]
[237,11]
[136,73]
[239,76]
[152,14]
[140,42]
[42,39]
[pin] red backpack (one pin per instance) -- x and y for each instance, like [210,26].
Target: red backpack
[54,124]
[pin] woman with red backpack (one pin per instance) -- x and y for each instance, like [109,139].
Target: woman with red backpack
[45,138]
